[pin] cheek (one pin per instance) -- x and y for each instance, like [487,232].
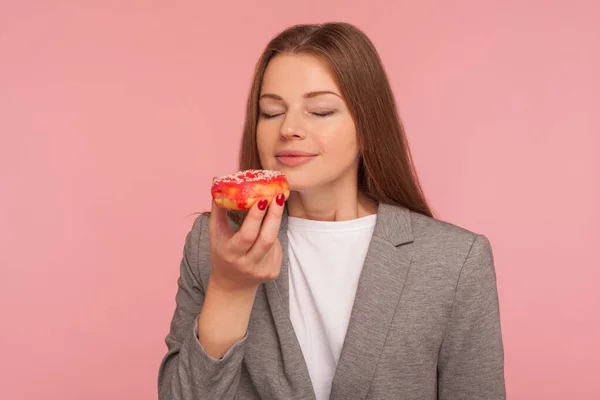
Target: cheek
[340,142]
[265,144]
[262,139]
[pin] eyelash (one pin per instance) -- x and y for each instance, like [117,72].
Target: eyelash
[267,116]
[325,114]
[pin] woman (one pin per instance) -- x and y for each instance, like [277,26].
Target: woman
[350,289]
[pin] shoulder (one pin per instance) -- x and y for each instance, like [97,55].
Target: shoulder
[461,258]
[199,230]
[428,229]
[197,248]
[439,241]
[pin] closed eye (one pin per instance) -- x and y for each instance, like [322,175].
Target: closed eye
[318,114]
[267,116]
[322,114]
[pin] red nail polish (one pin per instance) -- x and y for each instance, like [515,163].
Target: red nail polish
[262,204]
[280,199]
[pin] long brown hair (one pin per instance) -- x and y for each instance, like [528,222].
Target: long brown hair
[386,170]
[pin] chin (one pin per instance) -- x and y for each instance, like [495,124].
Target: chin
[304,184]
[300,178]
[299,183]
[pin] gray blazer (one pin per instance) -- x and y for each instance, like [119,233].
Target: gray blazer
[425,324]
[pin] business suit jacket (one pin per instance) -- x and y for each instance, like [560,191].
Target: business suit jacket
[425,324]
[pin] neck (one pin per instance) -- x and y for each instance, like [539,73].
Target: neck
[330,204]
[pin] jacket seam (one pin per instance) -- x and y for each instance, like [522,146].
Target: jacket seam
[458,280]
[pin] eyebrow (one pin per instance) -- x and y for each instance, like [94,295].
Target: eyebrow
[306,95]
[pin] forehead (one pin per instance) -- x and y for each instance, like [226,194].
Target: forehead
[297,74]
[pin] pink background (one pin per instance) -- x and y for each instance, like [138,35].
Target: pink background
[114,115]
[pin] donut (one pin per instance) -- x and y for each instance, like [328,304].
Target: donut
[240,190]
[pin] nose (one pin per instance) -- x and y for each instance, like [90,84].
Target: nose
[291,128]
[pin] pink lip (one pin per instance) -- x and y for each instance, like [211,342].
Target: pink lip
[293,157]
[294,153]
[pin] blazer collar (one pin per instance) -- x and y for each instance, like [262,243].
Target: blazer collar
[393,224]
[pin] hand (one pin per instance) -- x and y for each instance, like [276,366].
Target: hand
[244,259]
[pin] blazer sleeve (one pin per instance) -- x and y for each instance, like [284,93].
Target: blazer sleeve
[471,358]
[187,372]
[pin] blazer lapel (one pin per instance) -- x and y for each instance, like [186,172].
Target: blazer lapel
[378,293]
[295,382]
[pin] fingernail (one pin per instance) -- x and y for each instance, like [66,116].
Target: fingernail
[262,204]
[280,199]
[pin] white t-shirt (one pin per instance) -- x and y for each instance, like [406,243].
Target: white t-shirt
[325,262]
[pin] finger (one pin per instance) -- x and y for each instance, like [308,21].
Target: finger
[218,225]
[243,239]
[269,230]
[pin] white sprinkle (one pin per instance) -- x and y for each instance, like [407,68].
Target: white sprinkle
[250,175]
